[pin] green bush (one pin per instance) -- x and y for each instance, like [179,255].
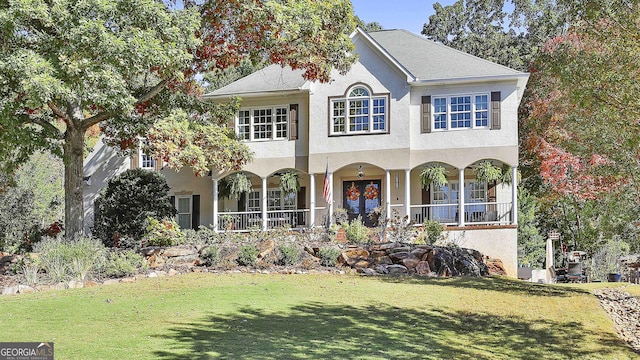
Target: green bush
[64,260]
[123,263]
[164,232]
[125,204]
[329,256]
[248,255]
[357,232]
[433,230]
[289,254]
[203,236]
[211,256]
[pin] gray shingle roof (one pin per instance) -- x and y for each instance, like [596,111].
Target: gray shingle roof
[273,78]
[422,58]
[428,60]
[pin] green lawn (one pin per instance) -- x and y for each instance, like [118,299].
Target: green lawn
[253,316]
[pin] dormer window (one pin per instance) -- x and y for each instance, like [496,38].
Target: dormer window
[359,112]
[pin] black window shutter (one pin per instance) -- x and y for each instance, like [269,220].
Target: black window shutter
[173,202]
[495,110]
[426,114]
[293,122]
[195,212]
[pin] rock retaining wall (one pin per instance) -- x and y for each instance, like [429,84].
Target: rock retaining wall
[407,259]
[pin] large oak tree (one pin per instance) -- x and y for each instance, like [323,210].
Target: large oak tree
[130,66]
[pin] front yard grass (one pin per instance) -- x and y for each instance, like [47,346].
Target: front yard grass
[257,316]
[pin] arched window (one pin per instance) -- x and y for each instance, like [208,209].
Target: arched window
[359,112]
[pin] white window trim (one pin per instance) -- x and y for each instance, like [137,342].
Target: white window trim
[142,155]
[190,213]
[273,109]
[473,111]
[269,190]
[467,193]
[345,100]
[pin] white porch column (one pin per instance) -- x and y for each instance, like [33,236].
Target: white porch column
[461,197]
[514,195]
[407,192]
[312,200]
[387,192]
[265,221]
[330,204]
[215,204]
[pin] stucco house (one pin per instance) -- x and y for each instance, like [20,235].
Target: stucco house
[407,103]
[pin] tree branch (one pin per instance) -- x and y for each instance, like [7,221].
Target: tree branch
[88,122]
[47,126]
[56,110]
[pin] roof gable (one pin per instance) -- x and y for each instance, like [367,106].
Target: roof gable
[427,60]
[273,78]
[420,59]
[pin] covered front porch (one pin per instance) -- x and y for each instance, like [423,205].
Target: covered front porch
[360,188]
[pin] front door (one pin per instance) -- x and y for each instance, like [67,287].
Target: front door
[360,198]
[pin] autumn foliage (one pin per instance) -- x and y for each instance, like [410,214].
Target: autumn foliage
[580,125]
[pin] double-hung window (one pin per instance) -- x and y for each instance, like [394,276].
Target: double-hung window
[265,123]
[359,112]
[145,161]
[276,200]
[461,112]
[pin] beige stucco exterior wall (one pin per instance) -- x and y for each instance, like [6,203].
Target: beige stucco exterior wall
[500,243]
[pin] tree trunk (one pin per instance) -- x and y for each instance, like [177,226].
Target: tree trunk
[73,173]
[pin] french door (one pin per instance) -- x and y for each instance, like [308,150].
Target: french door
[360,198]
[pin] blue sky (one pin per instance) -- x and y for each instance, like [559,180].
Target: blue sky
[410,15]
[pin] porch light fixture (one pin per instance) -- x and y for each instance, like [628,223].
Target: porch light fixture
[360,172]
[397,181]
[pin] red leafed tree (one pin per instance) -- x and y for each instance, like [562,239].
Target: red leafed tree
[581,123]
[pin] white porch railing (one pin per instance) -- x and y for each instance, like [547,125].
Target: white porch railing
[294,218]
[444,213]
[239,220]
[474,213]
[488,213]
[248,220]
[493,213]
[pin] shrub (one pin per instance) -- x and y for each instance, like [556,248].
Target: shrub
[329,256]
[357,232]
[400,228]
[125,204]
[123,263]
[211,255]
[341,215]
[30,269]
[164,232]
[203,236]
[248,255]
[63,260]
[433,230]
[607,259]
[289,254]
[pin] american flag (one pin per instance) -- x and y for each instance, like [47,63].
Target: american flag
[326,190]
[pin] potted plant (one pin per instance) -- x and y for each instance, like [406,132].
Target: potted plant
[487,172]
[289,182]
[240,184]
[224,189]
[433,174]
